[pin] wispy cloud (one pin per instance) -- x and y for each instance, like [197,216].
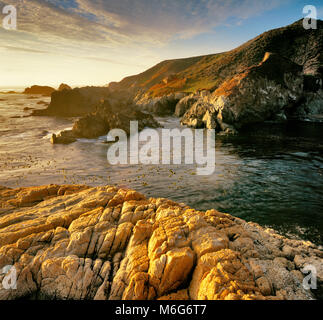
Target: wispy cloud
[113,61]
[118,22]
[28,50]
[97,41]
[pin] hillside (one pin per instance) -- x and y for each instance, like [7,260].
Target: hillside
[303,47]
[275,76]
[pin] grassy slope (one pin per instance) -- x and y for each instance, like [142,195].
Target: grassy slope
[208,72]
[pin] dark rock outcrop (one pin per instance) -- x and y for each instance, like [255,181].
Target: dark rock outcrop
[74,103]
[274,88]
[109,115]
[43,90]
[64,137]
[184,104]
[161,106]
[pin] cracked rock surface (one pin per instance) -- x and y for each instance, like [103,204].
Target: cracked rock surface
[77,242]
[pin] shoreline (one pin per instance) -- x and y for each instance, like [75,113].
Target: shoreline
[44,166]
[121,245]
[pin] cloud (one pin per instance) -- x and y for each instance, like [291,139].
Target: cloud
[10,48]
[41,18]
[110,39]
[120,22]
[113,61]
[151,20]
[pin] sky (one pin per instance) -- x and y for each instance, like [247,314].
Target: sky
[94,42]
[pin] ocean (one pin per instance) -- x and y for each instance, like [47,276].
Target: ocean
[270,174]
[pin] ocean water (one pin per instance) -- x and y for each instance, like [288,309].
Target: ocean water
[271,174]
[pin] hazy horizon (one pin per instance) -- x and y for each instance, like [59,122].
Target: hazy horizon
[82,42]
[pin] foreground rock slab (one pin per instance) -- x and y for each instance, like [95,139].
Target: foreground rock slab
[77,242]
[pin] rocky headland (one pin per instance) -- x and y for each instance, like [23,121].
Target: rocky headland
[276,76]
[98,110]
[77,242]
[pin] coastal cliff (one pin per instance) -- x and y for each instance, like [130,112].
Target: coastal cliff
[276,76]
[77,242]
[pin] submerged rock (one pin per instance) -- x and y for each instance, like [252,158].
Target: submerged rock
[28,108]
[76,242]
[42,102]
[64,137]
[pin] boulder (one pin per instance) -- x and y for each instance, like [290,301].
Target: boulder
[200,114]
[184,104]
[161,106]
[91,126]
[64,137]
